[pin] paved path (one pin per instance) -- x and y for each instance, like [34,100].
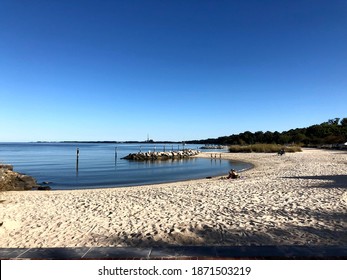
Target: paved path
[178,252]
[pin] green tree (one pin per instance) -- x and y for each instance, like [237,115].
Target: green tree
[334,121]
[259,137]
[299,138]
[344,122]
[268,137]
[248,137]
[284,139]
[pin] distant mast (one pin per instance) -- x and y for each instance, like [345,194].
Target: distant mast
[149,140]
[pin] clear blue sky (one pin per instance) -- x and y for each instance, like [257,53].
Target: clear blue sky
[176,70]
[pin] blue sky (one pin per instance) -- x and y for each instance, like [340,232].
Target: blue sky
[176,70]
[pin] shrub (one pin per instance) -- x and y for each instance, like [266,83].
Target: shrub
[293,149]
[262,148]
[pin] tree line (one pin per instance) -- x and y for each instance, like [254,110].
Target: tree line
[334,131]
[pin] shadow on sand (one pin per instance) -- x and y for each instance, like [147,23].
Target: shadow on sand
[292,242]
[335,181]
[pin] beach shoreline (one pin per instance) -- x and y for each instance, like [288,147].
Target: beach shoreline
[295,199]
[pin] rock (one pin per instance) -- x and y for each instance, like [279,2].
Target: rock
[161,155]
[6,166]
[44,188]
[14,181]
[46,183]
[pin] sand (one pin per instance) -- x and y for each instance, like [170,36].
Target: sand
[295,199]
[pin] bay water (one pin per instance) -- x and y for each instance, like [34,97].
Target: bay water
[101,165]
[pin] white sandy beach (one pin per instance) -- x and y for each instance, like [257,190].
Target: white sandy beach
[296,199]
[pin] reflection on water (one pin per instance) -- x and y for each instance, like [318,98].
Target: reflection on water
[77,158]
[77,165]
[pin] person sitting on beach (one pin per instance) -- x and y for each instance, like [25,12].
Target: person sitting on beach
[233,174]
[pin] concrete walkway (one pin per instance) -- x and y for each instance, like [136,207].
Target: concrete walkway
[178,252]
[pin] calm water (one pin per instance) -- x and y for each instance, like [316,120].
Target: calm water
[100,165]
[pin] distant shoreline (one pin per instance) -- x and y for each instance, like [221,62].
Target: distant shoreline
[111,142]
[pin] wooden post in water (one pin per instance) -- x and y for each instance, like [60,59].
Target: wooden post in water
[77,158]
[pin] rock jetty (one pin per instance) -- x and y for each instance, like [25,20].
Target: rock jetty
[212,147]
[142,156]
[14,181]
